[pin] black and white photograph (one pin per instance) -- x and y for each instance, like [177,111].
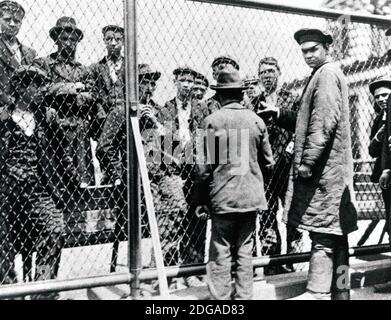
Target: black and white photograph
[169,151]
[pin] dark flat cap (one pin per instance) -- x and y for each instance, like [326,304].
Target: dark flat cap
[184,70]
[227,59]
[113,28]
[384,81]
[66,24]
[200,79]
[306,35]
[29,74]
[145,72]
[229,79]
[12,6]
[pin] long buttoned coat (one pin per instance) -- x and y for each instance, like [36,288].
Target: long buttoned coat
[324,203]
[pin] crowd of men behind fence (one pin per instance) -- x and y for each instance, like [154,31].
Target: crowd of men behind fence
[299,156]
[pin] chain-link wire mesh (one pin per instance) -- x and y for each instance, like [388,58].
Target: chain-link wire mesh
[176,34]
[63,131]
[61,75]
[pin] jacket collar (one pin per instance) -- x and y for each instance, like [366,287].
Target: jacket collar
[56,58]
[6,55]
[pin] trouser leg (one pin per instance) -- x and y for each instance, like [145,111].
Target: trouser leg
[387,205]
[7,252]
[48,240]
[320,273]
[219,265]
[244,246]
[341,277]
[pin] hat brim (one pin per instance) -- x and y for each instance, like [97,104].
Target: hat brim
[56,31]
[150,75]
[378,84]
[230,87]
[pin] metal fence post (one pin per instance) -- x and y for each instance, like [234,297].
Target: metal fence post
[133,181]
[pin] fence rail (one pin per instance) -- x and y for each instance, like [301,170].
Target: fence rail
[104,229]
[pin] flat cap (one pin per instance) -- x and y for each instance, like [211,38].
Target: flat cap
[384,81]
[200,79]
[12,6]
[184,70]
[113,28]
[146,72]
[227,59]
[306,35]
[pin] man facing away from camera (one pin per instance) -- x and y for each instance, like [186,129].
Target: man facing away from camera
[229,186]
[320,197]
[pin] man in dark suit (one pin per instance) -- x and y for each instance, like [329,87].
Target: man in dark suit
[230,187]
[13,54]
[108,75]
[181,117]
[78,112]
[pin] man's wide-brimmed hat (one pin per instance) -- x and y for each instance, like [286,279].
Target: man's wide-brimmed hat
[28,74]
[12,7]
[229,79]
[384,81]
[145,72]
[316,35]
[65,24]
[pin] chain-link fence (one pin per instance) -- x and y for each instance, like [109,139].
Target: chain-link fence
[64,138]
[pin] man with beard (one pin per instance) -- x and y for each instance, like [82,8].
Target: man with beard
[13,54]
